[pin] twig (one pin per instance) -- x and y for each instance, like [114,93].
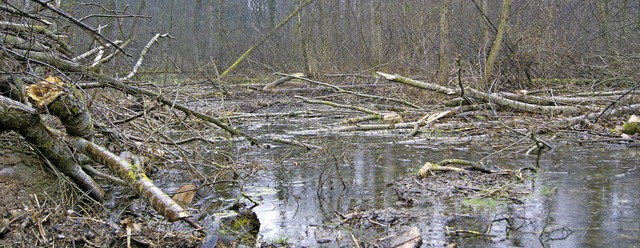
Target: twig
[616,101]
[92,170]
[355,241]
[296,143]
[79,23]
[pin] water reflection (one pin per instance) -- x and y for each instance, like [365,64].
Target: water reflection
[584,196]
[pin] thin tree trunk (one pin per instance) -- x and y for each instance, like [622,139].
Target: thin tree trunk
[443,67]
[264,38]
[603,19]
[133,175]
[485,23]
[497,42]
[376,32]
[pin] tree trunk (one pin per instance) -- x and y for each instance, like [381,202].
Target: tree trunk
[485,23]
[264,38]
[376,32]
[497,43]
[603,19]
[133,175]
[27,122]
[443,67]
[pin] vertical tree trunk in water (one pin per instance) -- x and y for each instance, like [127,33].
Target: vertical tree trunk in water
[497,43]
[443,67]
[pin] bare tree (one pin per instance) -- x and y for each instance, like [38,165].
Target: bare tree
[497,43]
[443,68]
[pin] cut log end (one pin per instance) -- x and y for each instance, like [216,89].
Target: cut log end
[45,92]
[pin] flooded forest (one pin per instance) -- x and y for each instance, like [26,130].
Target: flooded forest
[333,123]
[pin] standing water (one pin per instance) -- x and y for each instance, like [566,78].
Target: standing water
[581,196]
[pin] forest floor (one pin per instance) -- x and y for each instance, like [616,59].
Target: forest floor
[40,209]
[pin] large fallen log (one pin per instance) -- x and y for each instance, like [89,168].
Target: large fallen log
[27,122]
[63,100]
[133,175]
[53,145]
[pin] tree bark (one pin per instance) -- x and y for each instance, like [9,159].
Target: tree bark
[491,98]
[27,122]
[133,175]
[497,42]
[443,67]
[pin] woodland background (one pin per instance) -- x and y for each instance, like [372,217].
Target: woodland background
[591,40]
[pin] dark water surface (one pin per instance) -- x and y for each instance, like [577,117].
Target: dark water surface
[584,196]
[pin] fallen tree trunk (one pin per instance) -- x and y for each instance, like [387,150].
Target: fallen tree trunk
[63,100]
[491,98]
[27,122]
[133,175]
[53,145]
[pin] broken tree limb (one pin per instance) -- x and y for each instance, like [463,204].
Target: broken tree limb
[428,119]
[371,127]
[133,175]
[474,165]
[428,168]
[619,111]
[554,100]
[341,90]
[93,51]
[281,80]
[295,143]
[443,165]
[27,122]
[338,105]
[143,53]
[490,98]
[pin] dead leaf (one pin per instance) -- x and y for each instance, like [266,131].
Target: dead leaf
[184,195]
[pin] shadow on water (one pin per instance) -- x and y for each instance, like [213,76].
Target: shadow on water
[582,195]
